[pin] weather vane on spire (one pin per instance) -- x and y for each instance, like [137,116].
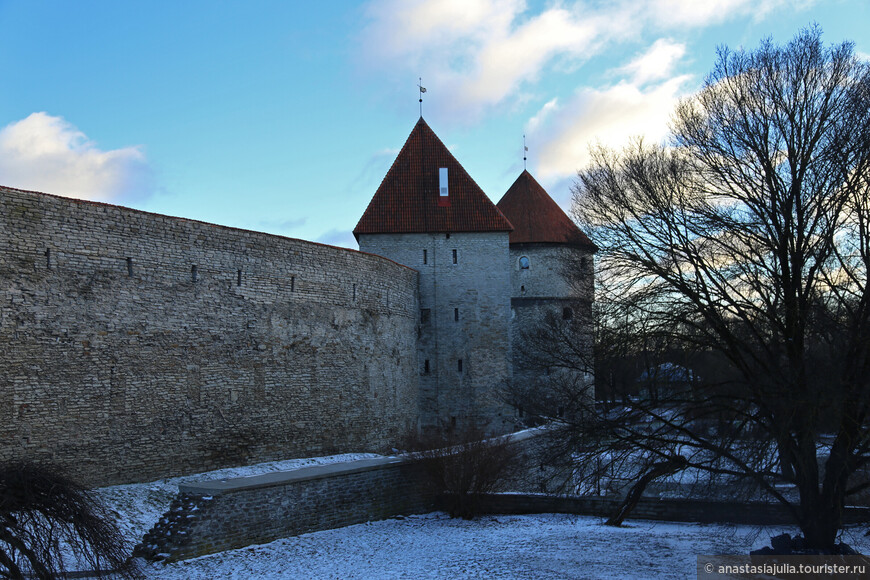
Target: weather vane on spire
[525,150]
[422,90]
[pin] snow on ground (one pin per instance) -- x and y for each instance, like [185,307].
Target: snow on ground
[532,547]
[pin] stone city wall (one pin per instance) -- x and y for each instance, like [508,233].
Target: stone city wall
[137,346]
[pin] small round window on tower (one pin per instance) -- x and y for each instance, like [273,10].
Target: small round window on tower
[524,263]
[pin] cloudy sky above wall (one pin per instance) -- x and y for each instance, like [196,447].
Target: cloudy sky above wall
[285,116]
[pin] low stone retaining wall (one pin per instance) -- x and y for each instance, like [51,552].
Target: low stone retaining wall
[213,516]
[679,510]
[219,515]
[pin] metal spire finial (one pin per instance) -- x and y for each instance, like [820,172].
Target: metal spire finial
[422,90]
[525,150]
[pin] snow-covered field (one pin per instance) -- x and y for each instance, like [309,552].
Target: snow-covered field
[545,546]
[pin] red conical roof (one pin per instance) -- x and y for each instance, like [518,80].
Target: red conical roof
[407,200]
[537,218]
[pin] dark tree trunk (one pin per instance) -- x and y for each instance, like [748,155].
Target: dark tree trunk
[667,467]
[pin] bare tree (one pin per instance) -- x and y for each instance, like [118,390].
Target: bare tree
[464,464]
[46,520]
[746,241]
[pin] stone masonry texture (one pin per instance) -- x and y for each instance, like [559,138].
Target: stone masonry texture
[464,290]
[138,346]
[202,522]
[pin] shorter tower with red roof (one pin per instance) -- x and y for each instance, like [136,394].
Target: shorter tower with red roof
[552,277]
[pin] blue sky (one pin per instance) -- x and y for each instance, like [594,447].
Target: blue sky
[284,116]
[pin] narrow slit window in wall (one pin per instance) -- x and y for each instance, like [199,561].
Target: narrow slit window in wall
[459,365]
[48,258]
[455,257]
[354,292]
[567,314]
[193,275]
[425,315]
[292,283]
[425,257]
[238,277]
[426,366]
[456,314]
[129,267]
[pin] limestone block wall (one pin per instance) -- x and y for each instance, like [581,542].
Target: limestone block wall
[558,284]
[653,508]
[554,271]
[213,516]
[138,346]
[464,316]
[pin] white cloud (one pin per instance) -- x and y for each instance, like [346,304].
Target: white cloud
[49,154]
[475,54]
[655,64]
[610,116]
[480,52]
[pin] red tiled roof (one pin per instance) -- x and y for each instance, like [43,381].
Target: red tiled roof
[407,200]
[536,217]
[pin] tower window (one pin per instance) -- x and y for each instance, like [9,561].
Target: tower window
[455,257]
[238,277]
[426,366]
[425,315]
[459,365]
[425,257]
[193,274]
[567,314]
[130,267]
[443,190]
[524,263]
[456,314]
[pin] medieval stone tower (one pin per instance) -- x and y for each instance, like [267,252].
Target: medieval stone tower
[552,273]
[486,273]
[430,215]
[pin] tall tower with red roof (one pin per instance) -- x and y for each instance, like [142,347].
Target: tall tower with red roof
[551,270]
[429,214]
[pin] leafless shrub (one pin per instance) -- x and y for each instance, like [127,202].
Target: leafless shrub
[462,464]
[48,522]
